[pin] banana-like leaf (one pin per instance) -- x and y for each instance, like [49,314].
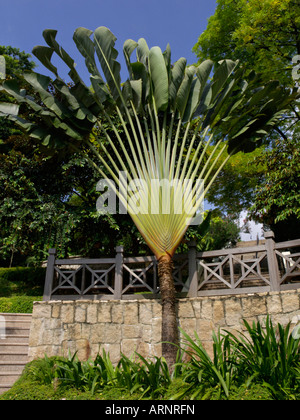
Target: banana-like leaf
[8,109]
[104,41]
[159,77]
[143,51]
[177,75]
[128,48]
[87,48]
[184,90]
[44,55]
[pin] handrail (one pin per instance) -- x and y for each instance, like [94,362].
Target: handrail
[195,273]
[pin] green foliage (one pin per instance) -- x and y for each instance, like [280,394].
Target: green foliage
[202,372]
[149,378]
[268,357]
[20,287]
[278,198]
[264,35]
[50,202]
[237,182]
[217,231]
[18,281]
[18,304]
[65,116]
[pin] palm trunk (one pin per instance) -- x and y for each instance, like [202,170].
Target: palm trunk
[169,318]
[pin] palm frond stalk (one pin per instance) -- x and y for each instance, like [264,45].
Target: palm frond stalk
[156,128]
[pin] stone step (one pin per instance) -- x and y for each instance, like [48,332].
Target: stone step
[12,347]
[11,367]
[13,338]
[4,388]
[13,323]
[16,331]
[13,356]
[9,377]
[13,317]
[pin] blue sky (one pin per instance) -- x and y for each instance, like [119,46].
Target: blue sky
[177,22]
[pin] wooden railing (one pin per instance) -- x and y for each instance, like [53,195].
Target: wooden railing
[268,267]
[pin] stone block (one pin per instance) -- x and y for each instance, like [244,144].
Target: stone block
[156,330]
[274,303]
[218,313]
[186,309]
[117,313]
[56,310]
[67,313]
[114,351]
[144,349]
[83,349]
[80,313]
[290,301]
[156,308]
[146,333]
[131,313]
[145,313]
[92,313]
[204,329]
[104,312]
[97,333]
[233,311]
[206,309]
[35,332]
[131,331]
[42,311]
[112,334]
[129,346]
[197,307]
[254,305]
[188,325]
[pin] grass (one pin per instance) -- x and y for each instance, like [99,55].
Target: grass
[262,365]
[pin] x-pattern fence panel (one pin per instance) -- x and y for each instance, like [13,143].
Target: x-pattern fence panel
[140,274]
[233,272]
[78,277]
[290,266]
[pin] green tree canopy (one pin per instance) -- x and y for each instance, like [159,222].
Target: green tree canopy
[277,200]
[263,34]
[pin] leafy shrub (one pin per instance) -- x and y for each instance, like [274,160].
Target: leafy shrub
[22,281]
[18,304]
[149,378]
[206,374]
[269,355]
[269,358]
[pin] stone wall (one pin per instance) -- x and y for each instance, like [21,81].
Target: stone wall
[127,326]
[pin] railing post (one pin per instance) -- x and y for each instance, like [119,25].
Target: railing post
[119,273]
[49,274]
[193,274]
[272,261]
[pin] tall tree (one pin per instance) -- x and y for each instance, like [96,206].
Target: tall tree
[265,36]
[277,202]
[153,105]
